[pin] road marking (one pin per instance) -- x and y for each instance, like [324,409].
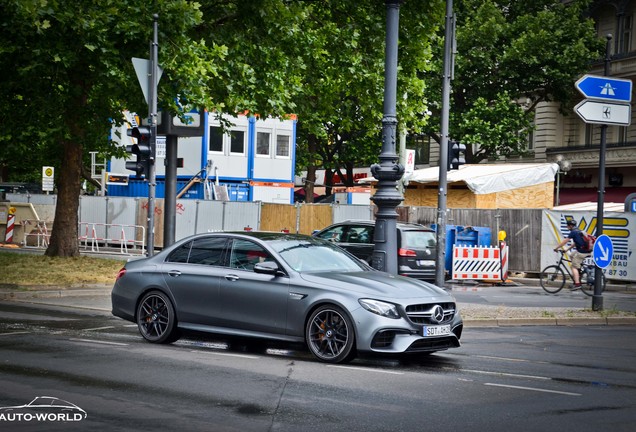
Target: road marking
[98,342]
[502,374]
[533,389]
[512,359]
[130,325]
[15,333]
[226,354]
[367,369]
[99,328]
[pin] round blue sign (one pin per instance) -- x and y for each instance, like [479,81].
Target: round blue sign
[603,251]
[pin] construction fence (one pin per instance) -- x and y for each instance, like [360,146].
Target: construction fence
[120,222]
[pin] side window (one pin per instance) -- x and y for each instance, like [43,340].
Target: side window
[245,254]
[216,139]
[262,143]
[360,234]
[207,251]
[333,234]
[282,145]
[237,141]
[180,255]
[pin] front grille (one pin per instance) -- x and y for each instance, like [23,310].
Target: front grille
[425,313]
[436,344]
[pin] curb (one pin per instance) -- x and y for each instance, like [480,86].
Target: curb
[520,322]
[53,293]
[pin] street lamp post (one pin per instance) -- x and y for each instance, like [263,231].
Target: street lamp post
[388,171]
[564,166]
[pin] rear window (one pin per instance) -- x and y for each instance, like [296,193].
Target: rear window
[418,239]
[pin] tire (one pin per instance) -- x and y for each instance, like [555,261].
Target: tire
[552,279]
[156,319]
[330,335]
[587,288]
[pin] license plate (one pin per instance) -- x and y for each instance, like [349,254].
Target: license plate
[442,330]
[424,263]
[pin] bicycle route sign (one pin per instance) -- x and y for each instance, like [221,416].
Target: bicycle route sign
[603,251]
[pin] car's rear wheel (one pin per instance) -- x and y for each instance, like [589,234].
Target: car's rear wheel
[330,335]
[156,319]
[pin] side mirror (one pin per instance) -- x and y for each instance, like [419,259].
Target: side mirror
[267,267]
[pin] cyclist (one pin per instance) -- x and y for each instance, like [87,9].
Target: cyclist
[580,250]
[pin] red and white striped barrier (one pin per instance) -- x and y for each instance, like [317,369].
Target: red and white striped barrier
[10,225]
[480,263]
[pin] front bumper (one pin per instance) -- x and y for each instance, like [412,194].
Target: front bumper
[385,335]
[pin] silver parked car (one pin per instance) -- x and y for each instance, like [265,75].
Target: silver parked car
[285,287]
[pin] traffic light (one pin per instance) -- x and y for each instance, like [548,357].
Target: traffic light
[143,151]
[456,155]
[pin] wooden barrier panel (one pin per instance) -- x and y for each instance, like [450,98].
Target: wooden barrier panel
[276,217]
[315,217]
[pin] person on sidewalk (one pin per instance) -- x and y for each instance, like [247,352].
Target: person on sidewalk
[580,252]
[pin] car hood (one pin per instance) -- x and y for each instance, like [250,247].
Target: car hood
[378,283]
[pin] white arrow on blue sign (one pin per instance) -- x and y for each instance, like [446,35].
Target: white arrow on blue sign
[605,88]
[603,251]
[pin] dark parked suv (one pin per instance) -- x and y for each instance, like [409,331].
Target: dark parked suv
[416,245]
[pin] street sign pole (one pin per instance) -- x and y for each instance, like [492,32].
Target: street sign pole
[597,298]
[152,116]
[442,198]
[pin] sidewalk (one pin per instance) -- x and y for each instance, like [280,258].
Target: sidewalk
[97,297]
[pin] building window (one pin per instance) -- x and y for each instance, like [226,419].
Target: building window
[237,142]
[625,40]
[531,138]
[282,145]
[216,139]
[592,134]
[262,143]
[422,146]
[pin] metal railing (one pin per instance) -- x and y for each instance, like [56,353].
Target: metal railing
[96,235]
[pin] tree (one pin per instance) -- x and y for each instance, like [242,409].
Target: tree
[512,55]
[74,77]
[340,106]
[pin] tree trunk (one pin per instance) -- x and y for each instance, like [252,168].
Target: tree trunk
[64,236]
[311,170]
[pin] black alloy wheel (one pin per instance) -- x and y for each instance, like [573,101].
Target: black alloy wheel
[330,335]
[156,319]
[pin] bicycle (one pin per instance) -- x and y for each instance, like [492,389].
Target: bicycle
[553,277]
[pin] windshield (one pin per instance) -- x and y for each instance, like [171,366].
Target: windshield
[315,255]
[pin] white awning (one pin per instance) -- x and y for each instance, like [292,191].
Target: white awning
[487,178]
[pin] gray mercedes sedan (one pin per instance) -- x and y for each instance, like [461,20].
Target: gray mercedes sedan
[284,287]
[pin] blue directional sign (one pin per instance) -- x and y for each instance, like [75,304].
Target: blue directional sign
[605,88]
[603,251]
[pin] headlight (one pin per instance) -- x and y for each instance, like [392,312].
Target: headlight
[380,308]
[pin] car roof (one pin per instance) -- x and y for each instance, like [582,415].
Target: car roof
[400,225]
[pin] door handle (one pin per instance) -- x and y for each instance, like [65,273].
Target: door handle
[174,273]
[232,277]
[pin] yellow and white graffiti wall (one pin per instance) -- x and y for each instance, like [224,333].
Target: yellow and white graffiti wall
[619,227]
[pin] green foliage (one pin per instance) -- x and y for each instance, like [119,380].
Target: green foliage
[514,50]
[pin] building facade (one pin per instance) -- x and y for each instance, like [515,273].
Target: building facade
[568,138]
[251,160]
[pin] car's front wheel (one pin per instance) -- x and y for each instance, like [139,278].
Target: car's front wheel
[156,319]
[330,335]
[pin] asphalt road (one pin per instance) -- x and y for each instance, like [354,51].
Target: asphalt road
[550,378]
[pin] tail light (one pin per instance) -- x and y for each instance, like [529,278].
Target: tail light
[406,252]
[120,273]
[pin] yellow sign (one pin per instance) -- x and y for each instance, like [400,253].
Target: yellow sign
[48,172]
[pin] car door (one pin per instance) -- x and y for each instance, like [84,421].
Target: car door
[358,240]
[250,301]
[192,273]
